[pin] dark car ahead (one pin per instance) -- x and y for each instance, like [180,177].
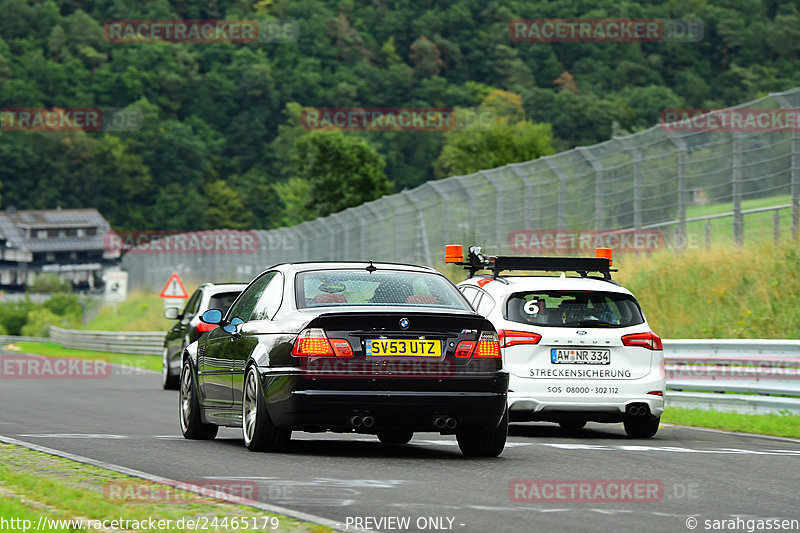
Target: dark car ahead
[382,349]
[189,327]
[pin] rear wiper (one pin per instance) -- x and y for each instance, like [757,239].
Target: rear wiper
[599,323]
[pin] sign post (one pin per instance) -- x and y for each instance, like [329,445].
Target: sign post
[116,288]
[174,293]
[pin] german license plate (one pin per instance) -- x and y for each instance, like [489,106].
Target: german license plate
[580,357]
[403,348]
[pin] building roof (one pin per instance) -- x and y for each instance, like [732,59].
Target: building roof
[13,225]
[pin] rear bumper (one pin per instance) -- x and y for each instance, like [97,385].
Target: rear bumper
[296,402]
[604,401]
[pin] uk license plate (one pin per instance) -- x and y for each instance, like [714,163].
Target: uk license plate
[580,356]
[403,348]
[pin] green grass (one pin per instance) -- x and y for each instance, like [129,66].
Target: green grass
[50,349]
[725,292]
[141,312]
[772,424]
[11,508]
[716,209]
[758,227]
[35,484]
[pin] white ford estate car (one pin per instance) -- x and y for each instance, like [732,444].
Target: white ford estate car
[577,346]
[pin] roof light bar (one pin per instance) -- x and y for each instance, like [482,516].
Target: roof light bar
[476,261]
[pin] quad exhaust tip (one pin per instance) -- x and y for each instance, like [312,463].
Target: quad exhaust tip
[358,421]
[442,422]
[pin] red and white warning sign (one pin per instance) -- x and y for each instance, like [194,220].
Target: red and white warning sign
[174,288]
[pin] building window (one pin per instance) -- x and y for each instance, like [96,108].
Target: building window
[81,232]
[41,234]
[51,256]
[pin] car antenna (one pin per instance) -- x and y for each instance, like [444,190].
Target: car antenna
[371,268]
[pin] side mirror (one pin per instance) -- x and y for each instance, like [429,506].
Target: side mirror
[212,316]
[231,328]
[173,313]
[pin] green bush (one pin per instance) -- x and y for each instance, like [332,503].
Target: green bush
[48,283]
[64,304]
[13,316]
[40,320]
[31,319]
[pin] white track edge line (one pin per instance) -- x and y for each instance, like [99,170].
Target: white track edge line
[275,509]
[726,432]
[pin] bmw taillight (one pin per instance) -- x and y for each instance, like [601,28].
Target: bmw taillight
[202,327]
[648,340]
[488,346]
[313,342]
[464,349]
[510,337]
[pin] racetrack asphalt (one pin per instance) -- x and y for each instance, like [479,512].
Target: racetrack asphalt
[126,419]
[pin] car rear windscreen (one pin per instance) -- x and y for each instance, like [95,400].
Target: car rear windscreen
[222,301]
[396,288]
[574,309]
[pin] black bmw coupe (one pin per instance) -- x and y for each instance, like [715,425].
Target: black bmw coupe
[383,349]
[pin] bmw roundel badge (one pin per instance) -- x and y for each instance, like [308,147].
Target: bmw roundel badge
[404,323]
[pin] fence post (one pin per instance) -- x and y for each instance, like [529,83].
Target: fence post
[795,167]
[498,208]
[736,190]
[379,221]
[422,232]
[445,212]
[562,193]
[598,186]
[526,197]
[471,208]
[683,153]
[339,252]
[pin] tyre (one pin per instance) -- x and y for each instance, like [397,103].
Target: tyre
[396,437]
[641,427]
[572,424]
[483,443]
[168,381]
[192,425]
[260,434]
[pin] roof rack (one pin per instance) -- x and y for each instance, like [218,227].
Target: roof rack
[476,262]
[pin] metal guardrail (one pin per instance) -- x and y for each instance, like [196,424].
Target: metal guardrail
[10,339]
[135,342]
[748,376]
